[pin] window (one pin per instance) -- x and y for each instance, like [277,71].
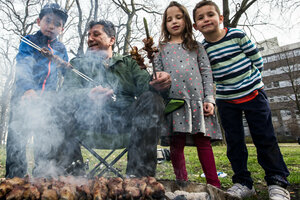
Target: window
[282,56]
[285,115]
[290,54]
[276,84]
[297,52]
[273,58]
[265,60]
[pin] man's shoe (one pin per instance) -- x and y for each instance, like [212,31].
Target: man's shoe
[278,193]
[241,191]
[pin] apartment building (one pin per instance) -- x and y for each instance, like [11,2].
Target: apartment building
[281,77]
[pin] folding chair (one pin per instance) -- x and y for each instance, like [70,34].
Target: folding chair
[113,142]
[110,142]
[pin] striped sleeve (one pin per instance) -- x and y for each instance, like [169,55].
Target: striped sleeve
[251,51]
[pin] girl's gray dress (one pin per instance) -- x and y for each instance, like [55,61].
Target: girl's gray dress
[191,81]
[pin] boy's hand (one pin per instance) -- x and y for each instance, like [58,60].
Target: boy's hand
[163,81]
[100,94]
[208,109]
[29,95]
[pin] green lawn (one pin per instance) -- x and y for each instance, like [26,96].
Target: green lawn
[291,153]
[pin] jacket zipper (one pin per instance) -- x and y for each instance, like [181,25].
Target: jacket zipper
[49,69]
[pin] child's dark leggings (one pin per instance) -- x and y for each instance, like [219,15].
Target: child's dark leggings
[205,155]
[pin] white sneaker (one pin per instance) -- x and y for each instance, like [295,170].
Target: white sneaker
[241,191]
[278,193]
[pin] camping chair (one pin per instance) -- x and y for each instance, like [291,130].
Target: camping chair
[113,142]
[105,142]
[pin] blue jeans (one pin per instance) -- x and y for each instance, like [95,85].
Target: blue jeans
[258,115]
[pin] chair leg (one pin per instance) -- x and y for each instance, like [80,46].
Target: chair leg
[113,162]
[96,168]
[109,166]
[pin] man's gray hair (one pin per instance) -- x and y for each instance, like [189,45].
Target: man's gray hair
[108,27]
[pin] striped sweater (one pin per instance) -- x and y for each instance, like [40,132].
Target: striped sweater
[236,65]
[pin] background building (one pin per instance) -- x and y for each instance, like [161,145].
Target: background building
[281,77]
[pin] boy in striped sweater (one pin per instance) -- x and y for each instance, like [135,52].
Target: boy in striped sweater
[237,64]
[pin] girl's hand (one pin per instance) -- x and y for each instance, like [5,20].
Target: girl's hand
[208,109]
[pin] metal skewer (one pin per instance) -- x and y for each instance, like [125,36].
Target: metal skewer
[30,43]
[82,75]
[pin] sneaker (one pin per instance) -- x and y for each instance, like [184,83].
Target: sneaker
[278,193]
[241,191]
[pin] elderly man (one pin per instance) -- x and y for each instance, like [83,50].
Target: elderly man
[120,99]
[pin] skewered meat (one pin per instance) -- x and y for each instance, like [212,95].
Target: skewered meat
[100,188]
[131,188]
[46,53]
[115,186]
[80,188]
[83,192]
[149,48]
[16,193]
[138,57]
[5,188]
[16,181]
[31,193]
[60,62]
[154,189]
[49,194]
[67,192]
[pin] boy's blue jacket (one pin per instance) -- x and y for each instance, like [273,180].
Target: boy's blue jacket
[35,71]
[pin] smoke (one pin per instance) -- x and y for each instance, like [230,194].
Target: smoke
[54,120]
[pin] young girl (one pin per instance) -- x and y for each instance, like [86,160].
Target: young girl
[187,63]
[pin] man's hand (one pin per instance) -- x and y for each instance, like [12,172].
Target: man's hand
[100,94]
[163,81]
[208,109]
[29,95]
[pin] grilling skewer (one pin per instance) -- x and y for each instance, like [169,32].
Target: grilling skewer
[45,52]
[148,47]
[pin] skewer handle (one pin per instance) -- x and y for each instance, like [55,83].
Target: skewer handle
[146,28]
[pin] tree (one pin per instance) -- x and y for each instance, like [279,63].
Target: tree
[292,70]
[131,10]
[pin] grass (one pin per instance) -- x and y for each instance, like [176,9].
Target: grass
[291,154]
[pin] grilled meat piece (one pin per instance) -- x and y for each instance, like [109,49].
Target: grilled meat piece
[5,188]
[49,194]
[31,193]
[148,47]
[15,181]
[83,192]
[115,186]
[154,189]
[138,57]
[100,188]
[45,52]
[60,62]
[67,192]
[16,193]
[131,188]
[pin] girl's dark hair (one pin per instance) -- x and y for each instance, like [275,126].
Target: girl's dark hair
[205,3]
[189,41]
